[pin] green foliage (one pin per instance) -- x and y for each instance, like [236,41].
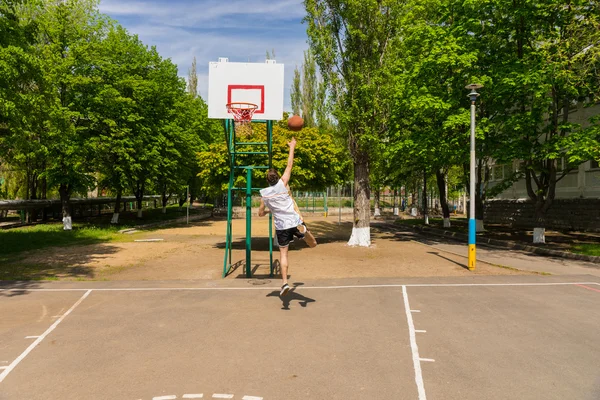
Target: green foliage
[85,103]
[319,162]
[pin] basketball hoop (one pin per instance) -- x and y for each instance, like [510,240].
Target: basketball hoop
[242,115]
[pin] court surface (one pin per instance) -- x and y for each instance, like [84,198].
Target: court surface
[510,337]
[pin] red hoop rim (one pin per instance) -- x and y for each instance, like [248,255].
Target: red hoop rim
[241,111]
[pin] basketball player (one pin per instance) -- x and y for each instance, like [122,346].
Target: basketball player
[288,221]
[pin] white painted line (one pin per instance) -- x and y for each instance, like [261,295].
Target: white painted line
[149,240]
[222,396]
[39,339]
[31,337]
[420,331]
[399,285]
[251,398]
[169,397]
[193,396]
[415,310]
[427,359]
[4,367]
[414,348]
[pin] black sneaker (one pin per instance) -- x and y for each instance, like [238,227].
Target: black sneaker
[284,290]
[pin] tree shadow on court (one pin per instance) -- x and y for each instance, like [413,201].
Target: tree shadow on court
[260,270]
[435,253]
[325,232]
[12,289]
[292,295]
[59,263]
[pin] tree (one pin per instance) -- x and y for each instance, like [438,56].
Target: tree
[319,162]
[296,93]
[309,89]
[193,80]
[351,42]
[69,45]
[21,99]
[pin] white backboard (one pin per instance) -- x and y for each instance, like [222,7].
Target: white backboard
[257,83]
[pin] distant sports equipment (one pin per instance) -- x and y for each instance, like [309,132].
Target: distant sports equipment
[295,123]
[260,84]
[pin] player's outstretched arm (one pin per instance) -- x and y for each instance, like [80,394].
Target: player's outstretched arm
[288,170]
[261,209]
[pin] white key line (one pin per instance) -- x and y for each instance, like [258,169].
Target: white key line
[427,359]
[414,348]
[193,396]
[39,339]
[222,396]
[31,337]
[168,397]
[251,398]
[306,287]
[420,331]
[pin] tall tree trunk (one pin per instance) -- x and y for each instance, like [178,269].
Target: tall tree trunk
[115,217]
[377,212]
[361,231]
[164,199]
[32,213]
[44,197]
[483,176]
[441,183]
[139,196]
[425,210]
[65,195]
[539,231]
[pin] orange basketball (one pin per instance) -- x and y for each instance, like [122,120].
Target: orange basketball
[295,123]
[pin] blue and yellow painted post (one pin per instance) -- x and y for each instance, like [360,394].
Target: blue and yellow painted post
[472,236]
[472,224]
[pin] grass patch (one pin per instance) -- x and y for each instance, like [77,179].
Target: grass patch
[589,249]
[29,238]
[16,242]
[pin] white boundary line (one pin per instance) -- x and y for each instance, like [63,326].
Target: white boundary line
[39,339]
[399,285]
[414,347]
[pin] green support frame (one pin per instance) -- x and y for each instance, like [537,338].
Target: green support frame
[232,146]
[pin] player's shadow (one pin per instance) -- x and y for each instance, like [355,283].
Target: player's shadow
[292,295]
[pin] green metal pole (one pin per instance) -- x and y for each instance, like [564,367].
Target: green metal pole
[229,235]
[271,244]
[325,203]
[248,222]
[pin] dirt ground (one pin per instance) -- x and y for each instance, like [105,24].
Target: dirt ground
[196,251]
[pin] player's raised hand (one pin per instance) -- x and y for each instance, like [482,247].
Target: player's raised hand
[292,143]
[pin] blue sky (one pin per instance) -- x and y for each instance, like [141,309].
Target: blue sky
[242,30]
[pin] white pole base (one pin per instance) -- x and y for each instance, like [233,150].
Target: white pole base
[539,235]
[164,210]
[426,219]
[447,223]
[67,223]
[396,211]
[115,218]
[139,213]
[360,237]
[377,212]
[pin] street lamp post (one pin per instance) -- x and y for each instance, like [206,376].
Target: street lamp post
[472,224]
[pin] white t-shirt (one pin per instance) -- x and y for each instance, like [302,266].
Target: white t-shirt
[278,200]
